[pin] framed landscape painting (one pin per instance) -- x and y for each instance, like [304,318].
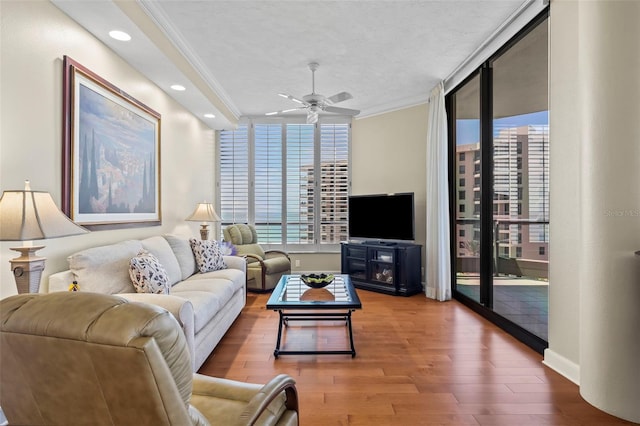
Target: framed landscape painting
[111,154]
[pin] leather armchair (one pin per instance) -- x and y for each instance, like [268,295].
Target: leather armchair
[96,359]
[264,268]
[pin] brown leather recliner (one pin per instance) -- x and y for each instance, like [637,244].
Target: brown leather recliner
[264,268]
[96,359]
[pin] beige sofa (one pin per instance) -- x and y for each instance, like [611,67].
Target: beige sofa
[205,304]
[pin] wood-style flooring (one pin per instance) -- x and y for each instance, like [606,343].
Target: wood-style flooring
[419,362]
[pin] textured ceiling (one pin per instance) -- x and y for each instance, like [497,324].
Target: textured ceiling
[387,54]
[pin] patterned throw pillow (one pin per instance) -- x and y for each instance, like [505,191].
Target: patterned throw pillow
[208,255]
[147,274]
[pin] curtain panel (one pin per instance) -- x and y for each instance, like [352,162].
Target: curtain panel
[438,255]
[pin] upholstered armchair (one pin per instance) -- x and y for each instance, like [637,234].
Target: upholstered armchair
[96,359]
[264,268]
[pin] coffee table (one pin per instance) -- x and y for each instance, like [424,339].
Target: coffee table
[334,302]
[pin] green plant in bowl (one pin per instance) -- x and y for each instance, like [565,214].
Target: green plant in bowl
[317,280]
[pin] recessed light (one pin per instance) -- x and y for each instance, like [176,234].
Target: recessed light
[119,35]
[210,116]
[178,87]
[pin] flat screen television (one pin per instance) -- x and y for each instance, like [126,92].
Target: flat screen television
[385,217]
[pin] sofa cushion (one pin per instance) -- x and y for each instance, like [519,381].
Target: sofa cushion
[236,276]
[147,274]
[105,269]
[182,250]
[208,255]
[160,248]
[205,306]
[208,297]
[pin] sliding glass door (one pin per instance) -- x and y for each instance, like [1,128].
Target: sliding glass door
[499,136]
[467,183]
[521,182]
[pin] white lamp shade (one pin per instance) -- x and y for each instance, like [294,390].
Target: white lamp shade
[204,212]
[32,215]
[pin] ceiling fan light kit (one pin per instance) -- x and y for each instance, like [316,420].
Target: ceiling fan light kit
[315,103]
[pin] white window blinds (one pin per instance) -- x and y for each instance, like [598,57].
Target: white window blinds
[234,175]
[268,183]
[334,182]
[293,182]
[300,183]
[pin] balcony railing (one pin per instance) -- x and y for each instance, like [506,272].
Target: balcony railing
[518,266]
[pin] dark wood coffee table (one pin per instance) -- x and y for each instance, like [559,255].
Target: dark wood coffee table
[310,304]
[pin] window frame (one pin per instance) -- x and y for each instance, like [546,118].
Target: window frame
[485,70]
[317,246]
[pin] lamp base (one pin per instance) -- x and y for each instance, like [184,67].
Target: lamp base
[27,269]
[204,231]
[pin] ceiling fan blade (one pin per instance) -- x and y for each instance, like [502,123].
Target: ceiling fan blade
[315,103]
[339,97]
[293,98]
[282,111]
[345,111]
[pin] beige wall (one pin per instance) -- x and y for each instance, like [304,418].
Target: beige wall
[609,274]
[315,262]
[595,202]
[564,132]
[35,36]
[388,154]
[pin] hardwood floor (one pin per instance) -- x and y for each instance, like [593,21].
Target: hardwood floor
[419,362]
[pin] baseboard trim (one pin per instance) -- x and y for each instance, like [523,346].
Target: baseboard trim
[562,365]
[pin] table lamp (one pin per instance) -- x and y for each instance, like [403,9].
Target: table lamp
[31,215]
[204,213]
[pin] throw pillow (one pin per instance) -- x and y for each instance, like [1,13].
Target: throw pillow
[147,274]
[208,255]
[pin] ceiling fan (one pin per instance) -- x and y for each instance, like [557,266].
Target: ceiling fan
[314,102]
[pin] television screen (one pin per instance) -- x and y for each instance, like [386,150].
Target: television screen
[382,216]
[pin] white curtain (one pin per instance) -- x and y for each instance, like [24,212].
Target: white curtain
[438,268]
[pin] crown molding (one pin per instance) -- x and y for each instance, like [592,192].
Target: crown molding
[161,20]
[396,105]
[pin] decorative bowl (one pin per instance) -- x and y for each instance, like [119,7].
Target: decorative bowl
[317,280]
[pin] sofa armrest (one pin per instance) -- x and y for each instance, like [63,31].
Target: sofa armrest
[60,281]
[179,307]
[253,259]
[275,253]
[269,392]
[236,262]
[276,396]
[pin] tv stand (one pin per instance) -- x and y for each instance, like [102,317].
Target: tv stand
[381,243]
[383,266]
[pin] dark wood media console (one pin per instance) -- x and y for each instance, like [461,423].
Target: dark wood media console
[392,268]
